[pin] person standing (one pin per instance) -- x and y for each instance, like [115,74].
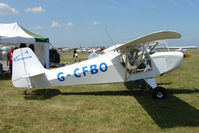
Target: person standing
[31,46]
[9,59]
[75,53]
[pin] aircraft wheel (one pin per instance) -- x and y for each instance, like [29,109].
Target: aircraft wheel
[159,93]
[25,92]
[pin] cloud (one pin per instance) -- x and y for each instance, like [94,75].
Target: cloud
[55,24]
[38,9]
[95,23]
[6,9]
[69,25]
[38,27]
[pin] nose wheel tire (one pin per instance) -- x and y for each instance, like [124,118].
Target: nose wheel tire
[159,93]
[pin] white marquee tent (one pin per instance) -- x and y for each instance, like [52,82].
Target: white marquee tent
[14,34]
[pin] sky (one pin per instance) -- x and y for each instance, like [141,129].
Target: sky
[75,23]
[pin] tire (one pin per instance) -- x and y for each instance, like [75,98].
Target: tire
[159,93]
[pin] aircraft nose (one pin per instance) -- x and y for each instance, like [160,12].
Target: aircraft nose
[174,60]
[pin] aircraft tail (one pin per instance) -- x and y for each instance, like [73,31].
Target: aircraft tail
[25,65]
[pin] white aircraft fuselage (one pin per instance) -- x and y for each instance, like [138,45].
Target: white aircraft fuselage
[106,68]
[132,61]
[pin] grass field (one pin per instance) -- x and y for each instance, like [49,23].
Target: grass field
[105,107]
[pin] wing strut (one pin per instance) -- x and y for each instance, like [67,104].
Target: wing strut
[126,64]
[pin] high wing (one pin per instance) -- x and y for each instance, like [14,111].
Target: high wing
[150,38]
[135,52]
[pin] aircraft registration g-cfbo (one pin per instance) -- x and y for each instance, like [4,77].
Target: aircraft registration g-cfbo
[132,61]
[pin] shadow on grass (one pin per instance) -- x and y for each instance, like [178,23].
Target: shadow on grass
[43,94]
[168,113]
[164,83]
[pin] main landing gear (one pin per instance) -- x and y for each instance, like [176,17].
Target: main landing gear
[158,93]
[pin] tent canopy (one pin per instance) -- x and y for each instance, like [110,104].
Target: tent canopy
[13,33]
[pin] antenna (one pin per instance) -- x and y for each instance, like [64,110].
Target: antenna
[109,36]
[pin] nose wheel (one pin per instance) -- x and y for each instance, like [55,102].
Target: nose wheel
[159,93]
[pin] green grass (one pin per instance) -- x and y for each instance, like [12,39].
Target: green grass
[105,107]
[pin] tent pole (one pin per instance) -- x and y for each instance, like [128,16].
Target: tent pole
[47,55]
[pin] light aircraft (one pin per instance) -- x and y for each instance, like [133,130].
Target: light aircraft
[181,47]
[132,61]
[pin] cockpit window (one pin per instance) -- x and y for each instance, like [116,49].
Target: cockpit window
[137,61]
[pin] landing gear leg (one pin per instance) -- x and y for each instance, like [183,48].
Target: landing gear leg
[29,86]
[157,91]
